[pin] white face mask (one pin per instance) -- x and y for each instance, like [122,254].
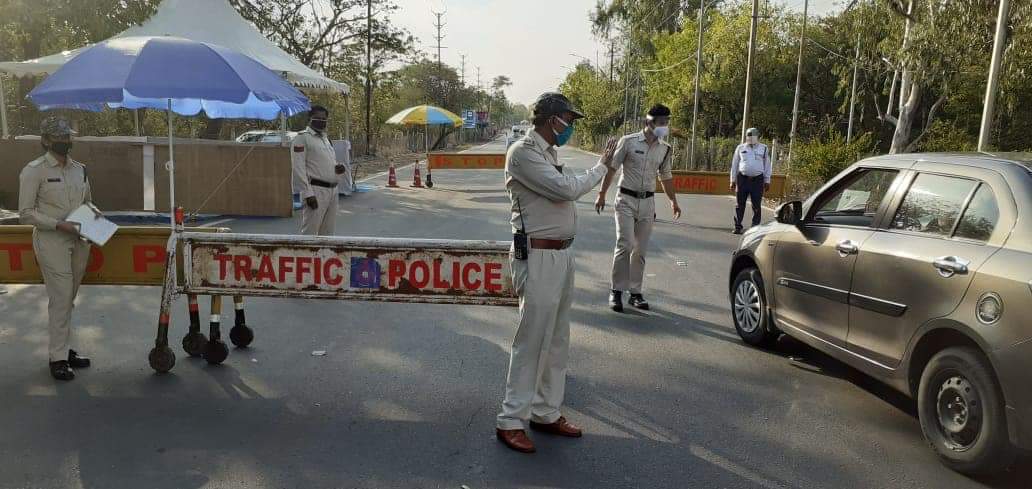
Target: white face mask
[752,139]
[661,131]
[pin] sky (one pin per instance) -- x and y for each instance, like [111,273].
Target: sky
[533,42]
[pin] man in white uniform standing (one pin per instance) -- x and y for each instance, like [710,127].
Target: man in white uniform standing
[316,175]
[544,221]
[641,158]
[750,176]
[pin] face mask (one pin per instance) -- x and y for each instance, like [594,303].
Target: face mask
[562,138]
[661,131]
[752,139]
[61,148]
[318,124]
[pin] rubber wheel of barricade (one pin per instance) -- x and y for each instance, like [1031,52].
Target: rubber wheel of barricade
[241,336]
[194,343]
[216,352]
[162,359]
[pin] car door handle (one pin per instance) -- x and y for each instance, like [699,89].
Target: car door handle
[847,247]
[949,266]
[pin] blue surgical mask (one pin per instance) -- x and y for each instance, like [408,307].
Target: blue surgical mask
[562,138]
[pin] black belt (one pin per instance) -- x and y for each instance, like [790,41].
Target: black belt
[639,195]
[750,177]
[550,244]
[320,183]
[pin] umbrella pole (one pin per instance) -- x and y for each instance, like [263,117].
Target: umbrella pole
[171,172]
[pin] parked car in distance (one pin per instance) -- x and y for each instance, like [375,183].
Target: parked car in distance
[264,137]
[917,270]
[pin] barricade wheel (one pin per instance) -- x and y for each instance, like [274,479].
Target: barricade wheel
[162,359]
[241,335]
[194,343]
[216,351]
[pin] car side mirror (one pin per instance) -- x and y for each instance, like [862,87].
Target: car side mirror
[790,212]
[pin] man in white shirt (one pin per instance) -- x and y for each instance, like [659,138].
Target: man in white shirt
[750,176]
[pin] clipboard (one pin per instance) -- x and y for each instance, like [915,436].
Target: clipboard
[93,226]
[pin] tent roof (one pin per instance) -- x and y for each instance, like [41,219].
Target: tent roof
[211,21]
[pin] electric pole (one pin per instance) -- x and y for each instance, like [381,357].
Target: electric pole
[992,85]
[369,79]
[852,96]
[612,54]
[798,82]
[749,68]
[698,79]
[463,75]
[440,70]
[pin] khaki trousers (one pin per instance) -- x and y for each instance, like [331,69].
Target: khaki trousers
[62,258]
[321,221]
[536,383]
[634,221]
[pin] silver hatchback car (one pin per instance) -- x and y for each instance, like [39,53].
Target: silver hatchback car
[917,270]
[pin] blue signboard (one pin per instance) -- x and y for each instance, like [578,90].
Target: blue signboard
[469,119]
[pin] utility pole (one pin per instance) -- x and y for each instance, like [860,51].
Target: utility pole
[749,68]
[992,85]
[369,79]
[852,96]
[463,75]
[440,70]
[612,54]
[698,79]
[798,82]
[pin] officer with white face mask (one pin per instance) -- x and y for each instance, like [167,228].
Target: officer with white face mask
[750,176]
[640,158]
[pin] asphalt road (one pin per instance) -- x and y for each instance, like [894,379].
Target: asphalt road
[406,395]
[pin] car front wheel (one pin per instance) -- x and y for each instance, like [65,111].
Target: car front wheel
[749,309]
[962,412]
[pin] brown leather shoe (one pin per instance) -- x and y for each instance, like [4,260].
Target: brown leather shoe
[562,427]
[516,440]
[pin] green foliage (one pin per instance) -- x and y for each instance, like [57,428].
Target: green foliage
[599,99]
[943,137]
[818,160]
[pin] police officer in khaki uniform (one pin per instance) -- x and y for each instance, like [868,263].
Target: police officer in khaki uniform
[640,157]
[316,174]
[544,219]
[51,187]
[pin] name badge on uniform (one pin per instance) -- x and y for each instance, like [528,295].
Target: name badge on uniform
[54,180]
[299,149]
[638,151]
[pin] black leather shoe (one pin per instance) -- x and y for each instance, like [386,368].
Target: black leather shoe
[76,361]
[737,231]
[638,301]
[61,371]
[616,301]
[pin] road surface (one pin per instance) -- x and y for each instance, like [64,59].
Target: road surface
[406,395]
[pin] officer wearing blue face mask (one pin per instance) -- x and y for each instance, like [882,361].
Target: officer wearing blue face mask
[544,221]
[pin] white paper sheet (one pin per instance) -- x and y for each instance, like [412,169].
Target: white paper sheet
[92,226]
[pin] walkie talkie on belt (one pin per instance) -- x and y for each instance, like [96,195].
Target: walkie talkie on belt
[519,239]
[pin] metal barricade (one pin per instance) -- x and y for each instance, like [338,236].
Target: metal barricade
[307,267]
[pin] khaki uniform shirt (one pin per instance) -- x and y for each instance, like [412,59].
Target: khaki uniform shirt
[641,162]
[312,156]
[49,192]
[543,194]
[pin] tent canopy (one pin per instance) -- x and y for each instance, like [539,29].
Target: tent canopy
[210,21]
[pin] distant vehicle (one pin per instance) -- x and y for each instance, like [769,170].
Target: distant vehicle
[917,270]
[264,137]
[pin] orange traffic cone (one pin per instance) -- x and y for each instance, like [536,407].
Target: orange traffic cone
[392,177]
[417,181]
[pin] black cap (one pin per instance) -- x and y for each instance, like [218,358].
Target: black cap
[555,103]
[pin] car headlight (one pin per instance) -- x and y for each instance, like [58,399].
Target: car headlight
[989,308]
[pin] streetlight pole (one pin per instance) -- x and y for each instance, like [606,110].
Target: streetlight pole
[698,80]
[994,76]
[798,82]
[749,68]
